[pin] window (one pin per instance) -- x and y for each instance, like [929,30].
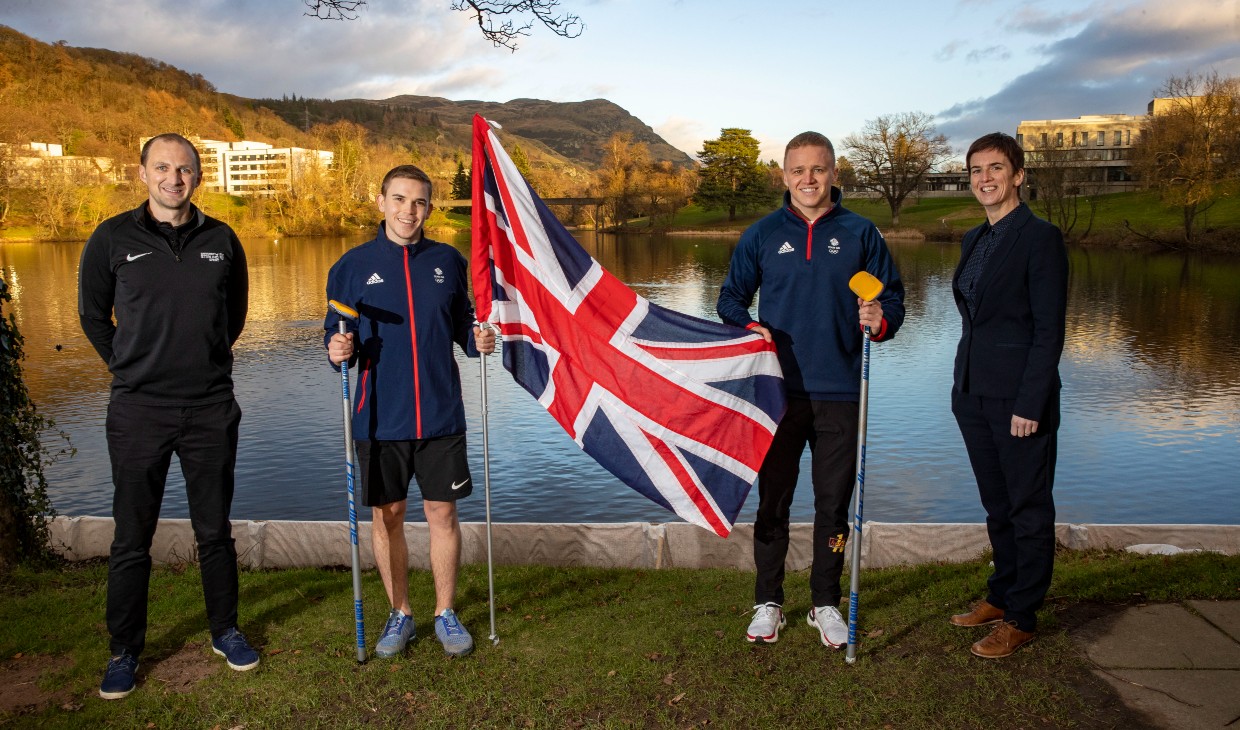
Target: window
[1118,139]
[1020,139]
[1059,139]
[1044,141]
[1102,139]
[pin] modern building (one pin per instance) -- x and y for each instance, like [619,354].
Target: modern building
[30,163]
[950,183]
[1096,148]
[255,168]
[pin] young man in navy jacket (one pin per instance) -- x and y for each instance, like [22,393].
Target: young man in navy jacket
[801,257]
[412,299]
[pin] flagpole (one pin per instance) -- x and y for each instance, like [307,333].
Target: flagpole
[486,482]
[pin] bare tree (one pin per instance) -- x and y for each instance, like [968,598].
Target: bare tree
[1063,189]
[501,22]
[1189,149]
[893,153]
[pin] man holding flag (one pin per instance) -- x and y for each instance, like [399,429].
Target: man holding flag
[411,297]
[801,257]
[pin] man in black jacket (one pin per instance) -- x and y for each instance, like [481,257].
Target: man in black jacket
[1011,288]
[176,282]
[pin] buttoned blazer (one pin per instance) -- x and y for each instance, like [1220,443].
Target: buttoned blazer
[1010,348]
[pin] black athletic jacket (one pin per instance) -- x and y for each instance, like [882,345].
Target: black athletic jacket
[179,302]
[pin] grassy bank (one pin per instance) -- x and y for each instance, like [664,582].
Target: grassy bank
[579,648]
[1121,219]
[1117,217]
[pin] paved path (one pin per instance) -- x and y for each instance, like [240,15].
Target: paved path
[1178,664]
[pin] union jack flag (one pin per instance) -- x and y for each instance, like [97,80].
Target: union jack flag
[681,409]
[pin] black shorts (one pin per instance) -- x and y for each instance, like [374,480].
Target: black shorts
[440,465]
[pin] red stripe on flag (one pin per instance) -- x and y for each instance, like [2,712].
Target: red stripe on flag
[686,482]
[745,347]
[652,395]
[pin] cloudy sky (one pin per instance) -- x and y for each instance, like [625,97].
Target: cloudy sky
[691,67]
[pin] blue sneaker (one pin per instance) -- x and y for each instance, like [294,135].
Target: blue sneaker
[455,639]
[236,650]
[396,634]
[118,678]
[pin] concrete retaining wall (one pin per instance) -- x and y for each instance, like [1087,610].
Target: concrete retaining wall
[282,544]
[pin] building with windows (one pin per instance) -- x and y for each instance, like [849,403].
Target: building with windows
[255,168]
[31,164]
[1096,149]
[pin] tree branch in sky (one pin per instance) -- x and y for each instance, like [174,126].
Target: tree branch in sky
[499,20]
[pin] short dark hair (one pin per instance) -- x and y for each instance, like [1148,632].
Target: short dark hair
[1005,144]
[810,139]
[172,137]
[410,172]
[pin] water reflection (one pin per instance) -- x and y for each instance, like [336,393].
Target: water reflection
[1151,390]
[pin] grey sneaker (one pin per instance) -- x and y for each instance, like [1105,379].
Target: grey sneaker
[396,634]
[768,619]
[832,628]
[455,639]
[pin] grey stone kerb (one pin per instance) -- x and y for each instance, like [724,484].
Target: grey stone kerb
[286,544]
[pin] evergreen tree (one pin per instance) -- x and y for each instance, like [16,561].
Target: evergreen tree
[732,177]
[521,161]
[462,187]
[24,505]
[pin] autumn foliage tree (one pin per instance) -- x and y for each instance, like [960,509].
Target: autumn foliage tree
[634,186]
[893,153]
[1189,148]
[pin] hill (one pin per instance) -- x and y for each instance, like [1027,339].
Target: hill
[101,102]
[576,130]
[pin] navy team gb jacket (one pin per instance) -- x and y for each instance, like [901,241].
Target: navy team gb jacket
[413,304]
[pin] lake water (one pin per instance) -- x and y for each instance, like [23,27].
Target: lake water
[1151,399]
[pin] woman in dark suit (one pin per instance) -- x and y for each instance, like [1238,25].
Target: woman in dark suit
[1011,288]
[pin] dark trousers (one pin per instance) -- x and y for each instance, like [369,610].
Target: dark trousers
[141,441]
[830,429]
[1015,477]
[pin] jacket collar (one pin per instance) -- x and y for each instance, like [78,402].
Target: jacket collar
[837,198]
[142,214]
[388,243]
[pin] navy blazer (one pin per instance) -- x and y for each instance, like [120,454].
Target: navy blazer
[1010,349]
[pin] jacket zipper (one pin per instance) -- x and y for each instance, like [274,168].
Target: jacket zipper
[413,344]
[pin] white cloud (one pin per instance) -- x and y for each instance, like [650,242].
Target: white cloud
[1112,65]
[685,134]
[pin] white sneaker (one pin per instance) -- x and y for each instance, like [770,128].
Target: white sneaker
[768,619]
[832,628]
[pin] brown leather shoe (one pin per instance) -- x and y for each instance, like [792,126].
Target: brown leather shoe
[983,613]
[1001,642]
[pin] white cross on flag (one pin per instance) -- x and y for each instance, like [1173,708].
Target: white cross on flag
[679,408]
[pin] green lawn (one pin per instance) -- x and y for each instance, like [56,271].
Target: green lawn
[579,648]
[950,217]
